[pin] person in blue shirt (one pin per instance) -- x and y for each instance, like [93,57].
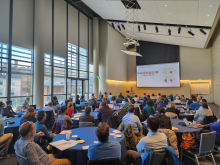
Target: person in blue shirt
[41,116]
[105,149]
[194,105]
[143,104]
[161,103]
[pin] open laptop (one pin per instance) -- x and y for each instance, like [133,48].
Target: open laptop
[111,105]
[188,124]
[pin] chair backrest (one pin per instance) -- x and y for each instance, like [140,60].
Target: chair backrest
[85,124]
[92,110]
[158,157]
[210,119]
[122,112]
[178,103]
[207,142]
[21,160]
[112,161]
[83,105]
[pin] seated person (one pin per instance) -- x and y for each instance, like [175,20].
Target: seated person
[55,101]
[133,101]
[136,98]
[121,96]
[70,109]
[9,108]
[194,105]
[77,101]
[66,102]
[183,99]
[143,104]
[71,99]
[28,116]
[63,115]
[110,96]
[171,97]
[105,149]
[132,119]
[190,100]
[153,140]
[101,97]
[144,96]
[158,96]
[127,104]
[93,103]
[113,101]
[41,116]
[214,127]
[104,113]
[87,117]
[161,103]
[173,109]
[103,100]
[5,139]
[93,96]
[149,109]
[26,105]
[177,100]
[49,107]
[199,98]
[153,96]
[82,99]
[201,113]
[6,112]
[165,122]
[205,101]
[26,147]
[174,98]
[105,95]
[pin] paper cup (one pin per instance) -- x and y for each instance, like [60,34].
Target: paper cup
[68,136]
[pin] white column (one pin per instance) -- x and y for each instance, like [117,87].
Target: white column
[38,94]
[96,55]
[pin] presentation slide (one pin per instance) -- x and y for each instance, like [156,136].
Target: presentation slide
[158,75]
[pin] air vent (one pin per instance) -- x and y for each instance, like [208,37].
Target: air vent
[131,4]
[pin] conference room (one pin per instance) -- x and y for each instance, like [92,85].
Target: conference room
[93,82]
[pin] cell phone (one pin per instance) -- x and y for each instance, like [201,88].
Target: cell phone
[78,139]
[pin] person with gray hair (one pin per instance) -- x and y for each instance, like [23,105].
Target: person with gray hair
[49,107]
[87,117]
[177,100]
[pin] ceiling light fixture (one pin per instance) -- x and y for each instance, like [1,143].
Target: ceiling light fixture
[123,26]
[202,31]
[166,5]
[179,30]
[119,28]
[156,28]
[210,6]
[139,28]
[144,27]
[208,15]
[191,33]
[113,25]
[169,31]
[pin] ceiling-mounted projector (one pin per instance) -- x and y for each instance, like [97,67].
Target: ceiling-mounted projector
[131,48]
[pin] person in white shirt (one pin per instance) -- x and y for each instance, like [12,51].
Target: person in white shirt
[153,140]
[136,98]
[153,96]
[158,96]
[177,100]
[144,96]
[49,107]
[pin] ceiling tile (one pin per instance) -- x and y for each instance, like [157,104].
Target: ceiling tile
[170,20]
[168,13]
[206,14]
[187,5]
[205,22]
[117,4]
[166,5]
[151,13]
[145,5]
[183,21]
[187,14]
[209,5]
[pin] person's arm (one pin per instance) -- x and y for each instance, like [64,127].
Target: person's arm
[99,116]
[46,133]
[140,146]
[196,115]
[5,112]
[31,154]
[139,124]
[69,120]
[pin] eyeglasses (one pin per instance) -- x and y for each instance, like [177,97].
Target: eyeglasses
[30,122]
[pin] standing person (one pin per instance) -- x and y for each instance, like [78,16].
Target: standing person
[104,113]
[55,101]
[28,116]
[63,115]
[105,95]
[110,96]
[26,105]
[87,117]
[149,109]
[158,96]
[5,112]
[49,107]
[105,149]
[26,147]
[82,99]
[77,101]
[41,117]
[70,109]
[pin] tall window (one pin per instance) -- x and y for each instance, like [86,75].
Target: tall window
[91,70]
[83,63]
[72,61]
[47,77]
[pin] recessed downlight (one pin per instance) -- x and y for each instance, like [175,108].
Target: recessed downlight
[166,5]
[208,15]
[210,6]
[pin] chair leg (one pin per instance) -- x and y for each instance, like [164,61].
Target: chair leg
[213,159]
[197,161]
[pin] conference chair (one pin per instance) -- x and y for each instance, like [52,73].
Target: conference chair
[85,124]
[111,161]
[206,147]
[21,160]
[158,157]
[122,112]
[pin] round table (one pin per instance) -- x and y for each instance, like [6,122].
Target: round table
[76,154]
[76,119]
[22,112]
[188,116]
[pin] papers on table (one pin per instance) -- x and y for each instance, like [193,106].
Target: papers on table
[66,132]
[63,144]
[116,131]
[115,134]
[74,135]
[118,136]
[85,147]
[175,128]
[112,134]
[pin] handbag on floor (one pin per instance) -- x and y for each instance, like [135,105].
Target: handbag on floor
[188,139]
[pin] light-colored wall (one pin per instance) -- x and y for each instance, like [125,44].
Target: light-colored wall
[215,52]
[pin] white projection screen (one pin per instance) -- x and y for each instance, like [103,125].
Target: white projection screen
[158,75]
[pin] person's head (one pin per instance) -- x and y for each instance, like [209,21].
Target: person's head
[110,93]
[54,98]
[105,93]
[113,98]
[172,105]
[87,110]
[126,100]
[177,98]
[2,105]
[50,104]
[103,103]
[204,105]
[159,94]
[41,116]
[70,105]
[101,96]
[148,96]
[161,111]
[27,129]
[27,100]
[192,96]
[120,93]
[204,100]
[152,94]
[71,99]
[82,97]
[132,101]
[77,96]
[145,98]
[153,124]
[93,94]
[9,102]
[62,110]
[103,99]
[199,98]
[29,112]
[194,99]
[136,96]
[144,94]
[182,96]
[67,101]
[131,109]
[102,132]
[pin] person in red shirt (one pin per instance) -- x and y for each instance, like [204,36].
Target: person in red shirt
[70,109]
